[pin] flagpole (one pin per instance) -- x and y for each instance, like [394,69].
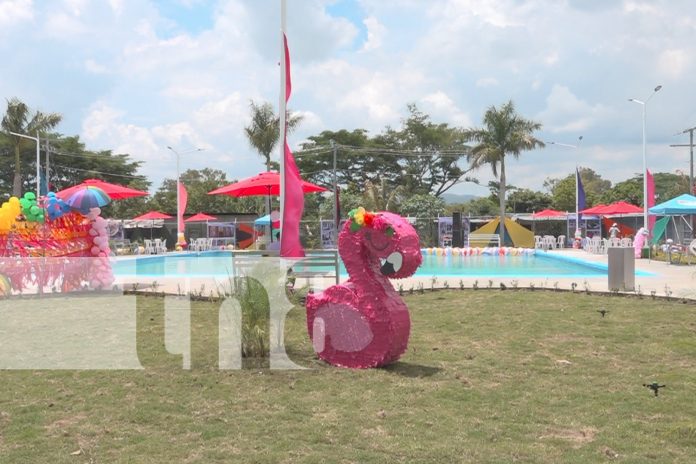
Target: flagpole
[577,198]
[282,112]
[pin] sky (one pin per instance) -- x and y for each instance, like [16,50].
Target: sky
[136,76]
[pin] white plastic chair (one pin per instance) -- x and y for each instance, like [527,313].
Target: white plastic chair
[162,247]
[149,247]
[538,243]
[561,241]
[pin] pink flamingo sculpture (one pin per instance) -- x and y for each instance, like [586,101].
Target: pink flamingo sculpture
[364,323]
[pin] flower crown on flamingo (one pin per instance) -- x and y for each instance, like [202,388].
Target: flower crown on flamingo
[361,218]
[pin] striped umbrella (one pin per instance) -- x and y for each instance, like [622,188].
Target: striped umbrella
[87,198]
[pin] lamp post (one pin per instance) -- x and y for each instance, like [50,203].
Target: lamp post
[644,104]
[179,233]
[38,160]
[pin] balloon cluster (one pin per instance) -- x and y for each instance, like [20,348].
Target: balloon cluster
[30,208]
[8,214]
[101,275]
[55,207]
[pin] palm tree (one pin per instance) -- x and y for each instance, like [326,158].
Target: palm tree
[263,132]
[17,119]
[504,133]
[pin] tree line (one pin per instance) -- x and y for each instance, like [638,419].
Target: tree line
[405,169]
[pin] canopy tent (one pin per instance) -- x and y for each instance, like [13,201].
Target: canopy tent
[618,208]
[594,209]
[519,235]
[659,229]
[681,205]
[114,191]
[263,220]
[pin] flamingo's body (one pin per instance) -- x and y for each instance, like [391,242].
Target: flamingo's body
[364,323]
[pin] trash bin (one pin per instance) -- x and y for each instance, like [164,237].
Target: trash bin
[622,268]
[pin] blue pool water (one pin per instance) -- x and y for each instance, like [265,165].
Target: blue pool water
[218,264]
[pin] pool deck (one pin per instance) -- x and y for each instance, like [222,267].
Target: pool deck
[677,280]
[680,280]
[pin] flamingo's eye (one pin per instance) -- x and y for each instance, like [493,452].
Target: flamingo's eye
[389,232]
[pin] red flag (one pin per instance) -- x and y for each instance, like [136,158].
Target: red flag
[293,206]
[183,198]
[651,198]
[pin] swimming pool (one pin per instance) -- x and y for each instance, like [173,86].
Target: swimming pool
[219,264]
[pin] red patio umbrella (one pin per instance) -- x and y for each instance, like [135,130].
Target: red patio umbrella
[115,191]
[266,183]
[200,217]
[152,216]
[549,213]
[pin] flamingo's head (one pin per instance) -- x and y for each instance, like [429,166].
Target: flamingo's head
[390,239]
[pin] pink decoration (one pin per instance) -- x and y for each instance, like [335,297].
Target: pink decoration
[639,242]
[364,323]
[293,198]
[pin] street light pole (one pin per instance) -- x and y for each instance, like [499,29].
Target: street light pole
[179,233]
[644,104]
[38,159]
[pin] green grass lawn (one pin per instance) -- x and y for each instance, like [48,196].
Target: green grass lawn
[489,376]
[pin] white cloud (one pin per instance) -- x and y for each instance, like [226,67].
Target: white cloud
[14,11]
[137,77]
[95,68]
[225,115]
[565,112]
[442,108]
[375,33]
[673,63]
[487,82]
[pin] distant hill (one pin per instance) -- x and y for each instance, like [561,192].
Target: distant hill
[451,198]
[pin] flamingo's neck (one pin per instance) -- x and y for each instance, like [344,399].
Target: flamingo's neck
[362,266]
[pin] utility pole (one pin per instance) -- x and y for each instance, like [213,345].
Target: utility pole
[48,169]
[691,157]
[335,186]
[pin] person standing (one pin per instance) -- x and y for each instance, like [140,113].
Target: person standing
[614,231]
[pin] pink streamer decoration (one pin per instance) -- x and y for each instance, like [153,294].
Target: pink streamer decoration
[183,199]
[651,198]
[364,323]
[293,207]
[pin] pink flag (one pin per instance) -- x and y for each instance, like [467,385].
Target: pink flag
[290,246]
[183,198]
[651,198]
